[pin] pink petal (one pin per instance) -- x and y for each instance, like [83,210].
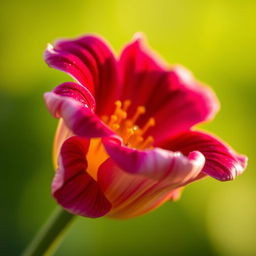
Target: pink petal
[134,194]
[155,163]
[91,62]
[222,162]
[69,102]
[72,187]
[174,98]
[76,92]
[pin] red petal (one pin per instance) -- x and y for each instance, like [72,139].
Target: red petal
[174,98]
[91,62]
[73,188]
[222,162]
[181,103]
[140,73]
[69,102]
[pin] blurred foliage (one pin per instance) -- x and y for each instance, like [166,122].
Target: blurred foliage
[216,39]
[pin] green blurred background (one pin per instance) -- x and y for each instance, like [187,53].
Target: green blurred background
[216,39]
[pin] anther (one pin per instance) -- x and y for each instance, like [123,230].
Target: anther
[140,110]
[126,105]
[151,122]
[118,104]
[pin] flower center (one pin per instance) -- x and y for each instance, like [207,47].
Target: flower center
[126,128]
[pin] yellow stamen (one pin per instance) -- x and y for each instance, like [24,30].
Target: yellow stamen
[118,108]
[119,112]
[127,103]
[151,122]
[113,119]
[115,126]
[118,104]
[140,110]
[125,125]
[127,135]
[136,140]
[121,115]
[147,143]
[126,128]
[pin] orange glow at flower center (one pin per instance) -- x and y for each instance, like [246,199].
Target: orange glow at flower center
[126,128]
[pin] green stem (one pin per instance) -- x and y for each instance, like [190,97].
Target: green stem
[47,239]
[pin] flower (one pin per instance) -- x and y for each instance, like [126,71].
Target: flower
[125,143]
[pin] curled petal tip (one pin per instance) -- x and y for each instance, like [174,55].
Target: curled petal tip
[197,157]
[49,51]
[239,167]
[50,47]
[222,162]
[139,36]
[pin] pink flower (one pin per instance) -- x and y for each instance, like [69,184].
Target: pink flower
[125,143]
